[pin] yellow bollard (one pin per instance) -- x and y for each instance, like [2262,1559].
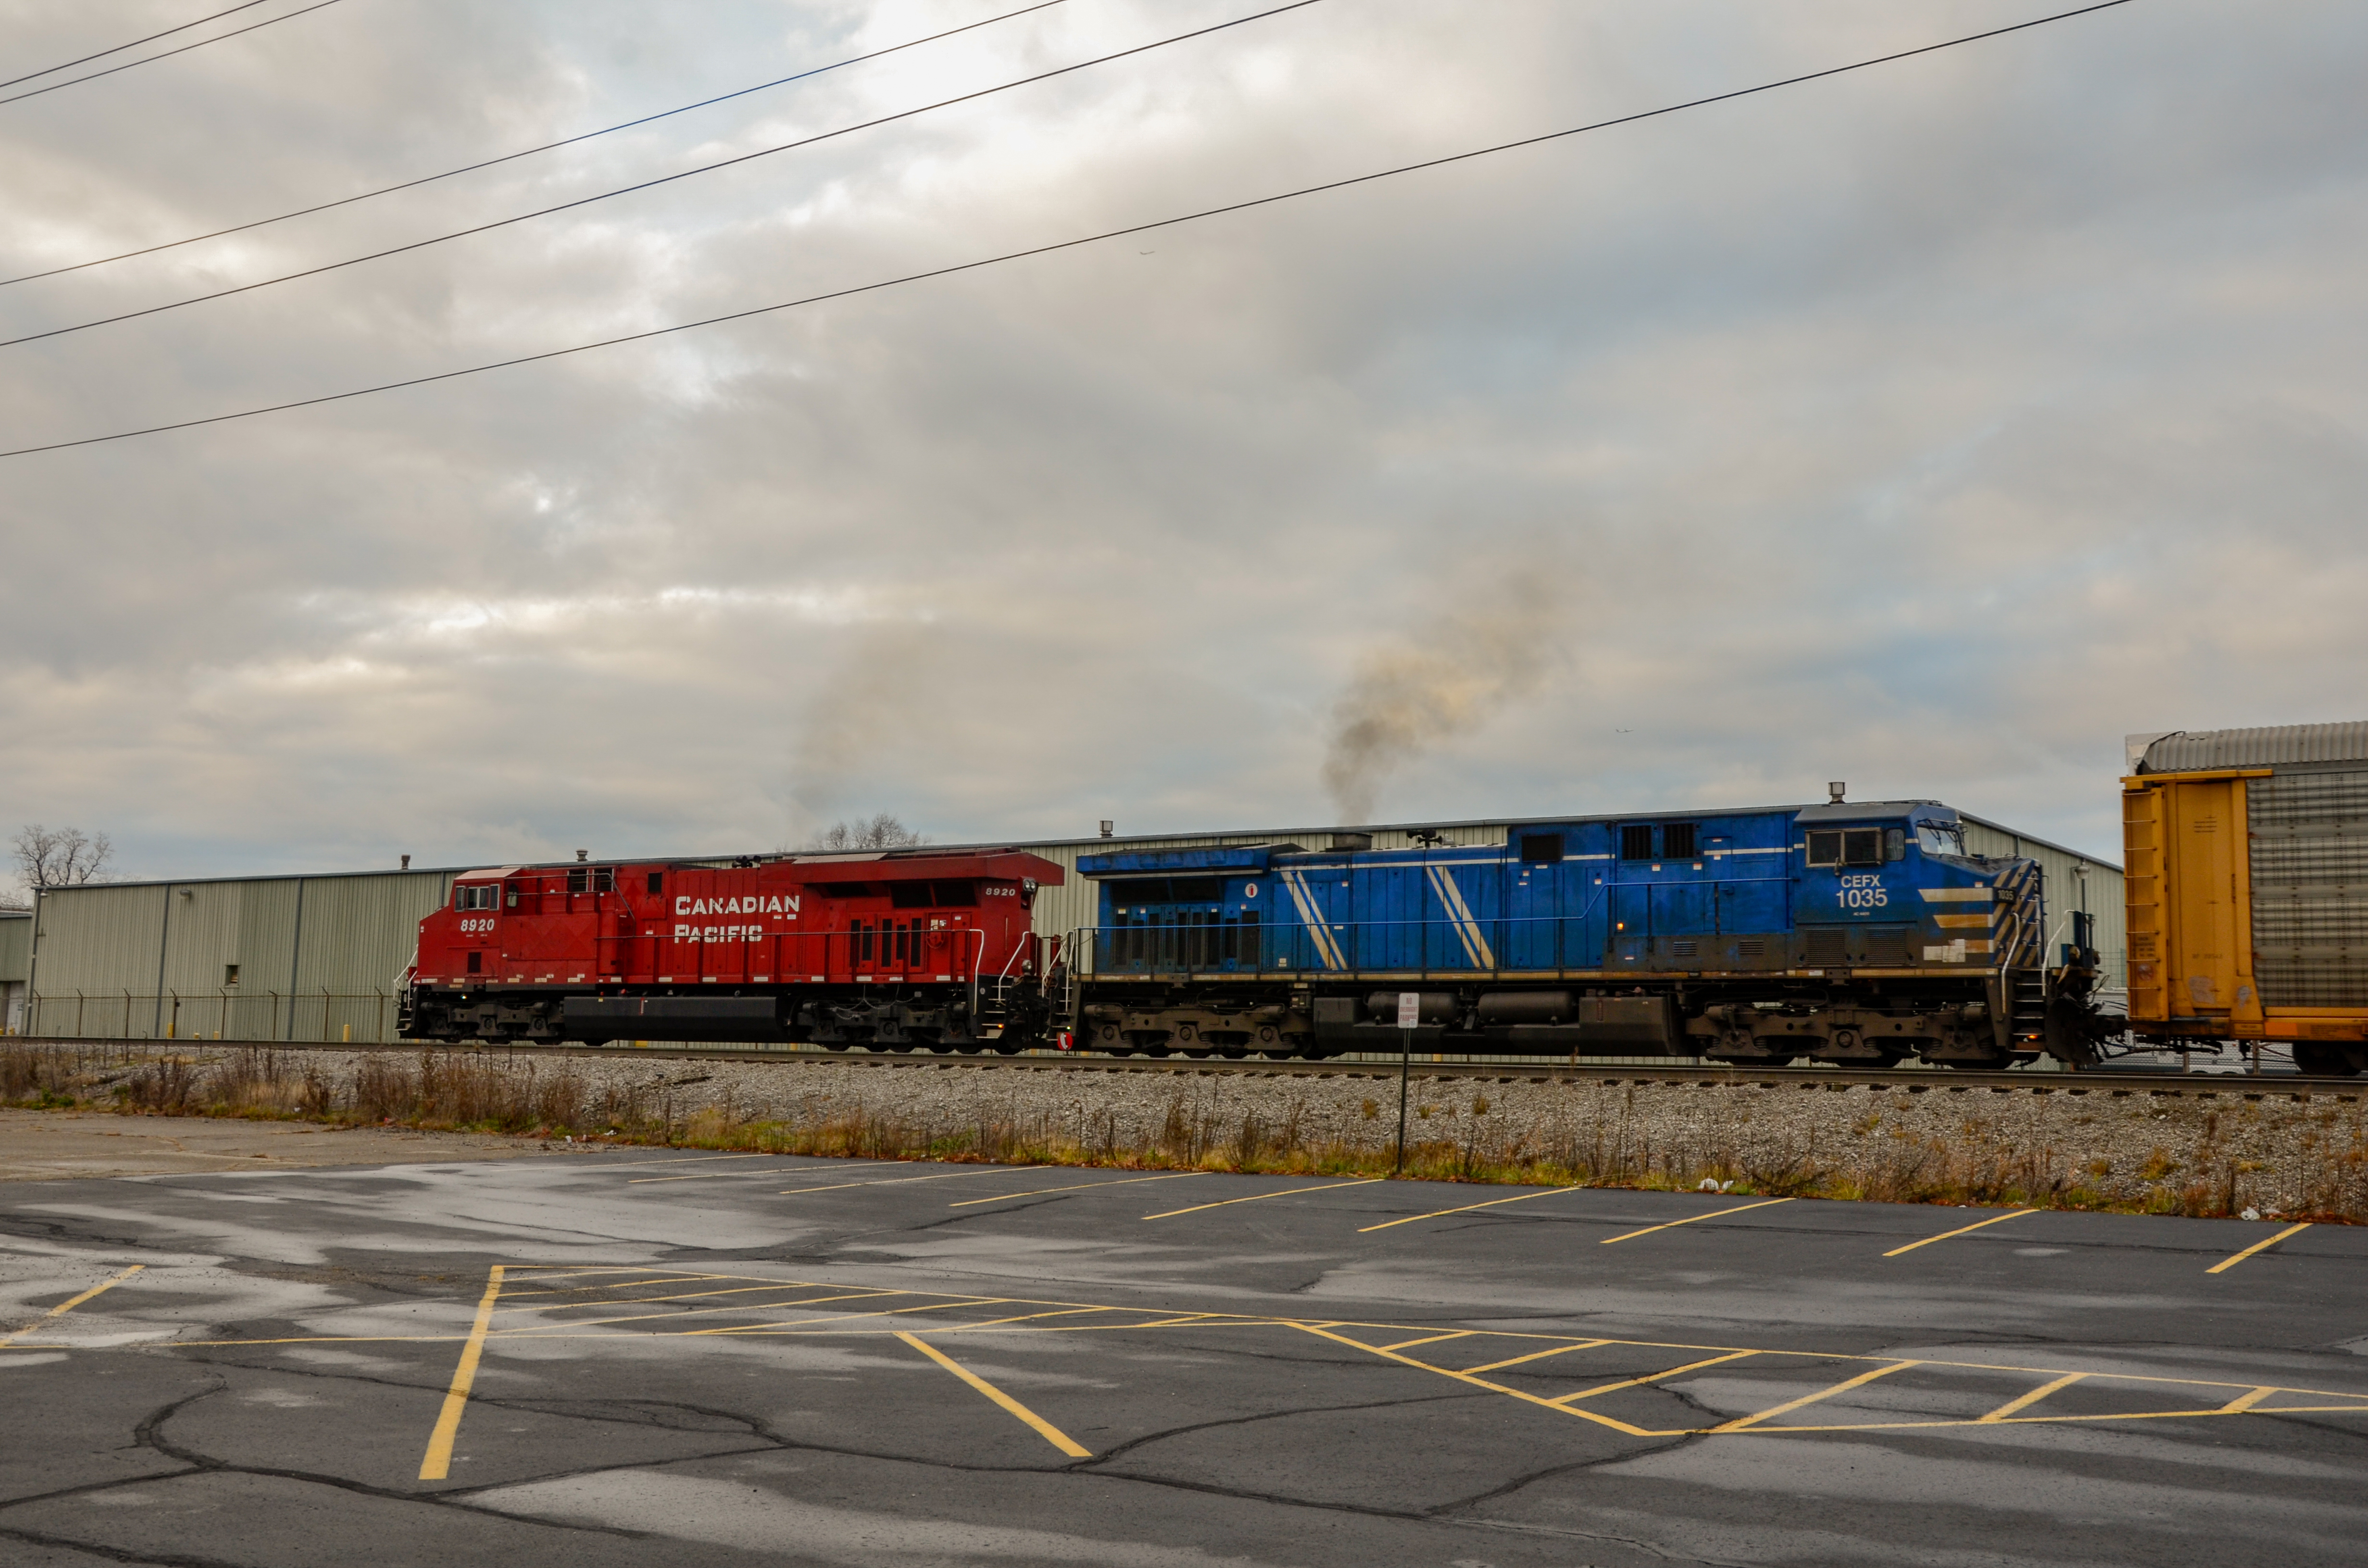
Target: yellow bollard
[349,1034]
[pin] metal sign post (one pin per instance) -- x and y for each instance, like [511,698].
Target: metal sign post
[1409,1015]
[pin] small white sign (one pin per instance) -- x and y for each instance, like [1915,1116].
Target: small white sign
[1409,1009]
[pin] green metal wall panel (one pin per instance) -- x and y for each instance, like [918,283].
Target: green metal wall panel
[16,946]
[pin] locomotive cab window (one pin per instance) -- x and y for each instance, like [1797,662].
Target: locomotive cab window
[1846,847]
[1635,843]
[1541,848]
[1678,841]
[483,895]
[1938,838]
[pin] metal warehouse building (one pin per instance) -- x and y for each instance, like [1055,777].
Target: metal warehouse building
[320,958]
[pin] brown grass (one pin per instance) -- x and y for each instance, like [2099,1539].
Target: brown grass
[1875,1161]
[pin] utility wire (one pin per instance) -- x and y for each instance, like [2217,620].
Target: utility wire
[1070,244]
[649,184]
[135,43]
[152,59]
[529,152]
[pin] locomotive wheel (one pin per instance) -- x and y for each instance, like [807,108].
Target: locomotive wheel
[2316,1061]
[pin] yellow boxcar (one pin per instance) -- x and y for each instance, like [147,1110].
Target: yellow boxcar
[2246,856]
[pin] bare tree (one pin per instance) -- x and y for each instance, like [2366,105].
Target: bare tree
[61,857]
[880,832]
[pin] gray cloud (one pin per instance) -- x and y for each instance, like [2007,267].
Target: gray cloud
[1930,427]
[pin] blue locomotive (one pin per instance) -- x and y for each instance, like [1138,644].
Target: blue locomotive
[1848,932]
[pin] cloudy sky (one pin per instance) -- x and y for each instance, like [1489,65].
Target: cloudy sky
[1927,427]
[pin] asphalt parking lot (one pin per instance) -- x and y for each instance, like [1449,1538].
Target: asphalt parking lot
[625,1355]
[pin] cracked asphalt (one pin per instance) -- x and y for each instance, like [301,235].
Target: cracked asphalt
[700,1359]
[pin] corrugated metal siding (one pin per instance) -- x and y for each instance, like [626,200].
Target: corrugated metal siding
[318,958]
[96,954]
[2309,843]
[15,948]
[2070,881]
[2197,750]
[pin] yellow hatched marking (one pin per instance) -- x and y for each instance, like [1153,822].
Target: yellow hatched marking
[2022,1401]
[1480,1383]
[708,1312]
[2257,1246]
[438,1464]
[1043,1428]
[1561,1399]
[1739,1423]
[1429,1340]
[1963,1230]
[1073,1187]
[1032,1317]
[2245,1401]
[802,1324]
[1466,1209]
[613,1285]
[1538,1355]
[511,1296]
[905,1181]
[1696,1218]
[1262,1197]
[63,1308]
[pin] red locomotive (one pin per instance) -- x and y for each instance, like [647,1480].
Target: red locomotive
[897,947]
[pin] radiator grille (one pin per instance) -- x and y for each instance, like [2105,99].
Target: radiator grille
[1886,946]
[1825,947]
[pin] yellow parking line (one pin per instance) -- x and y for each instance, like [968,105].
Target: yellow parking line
[1262,1197]
[1466,1209]
[902,1181]
[1599,1419]
[685,1160]
[1043,1429]
[719,1175]
[1538,1355]
[2245,1401]
[1429,1340]
[2233,1262]
[1740,1422]
[864,1295]
[438,1464]
[1073,1187]
[2024,1401]
[795,1325]
[1030,1317]
[626,1285]
[1560,1401]
[1993,1220]
[1764,1203]
[63,1308]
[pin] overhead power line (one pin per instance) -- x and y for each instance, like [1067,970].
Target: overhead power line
[650,184]
[1132,229]
[166,54]
[135,43]
[528,152]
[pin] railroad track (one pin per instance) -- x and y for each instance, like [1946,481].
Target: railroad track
[1915,1080]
